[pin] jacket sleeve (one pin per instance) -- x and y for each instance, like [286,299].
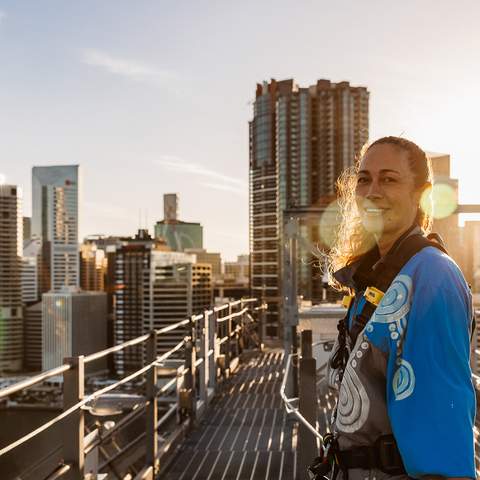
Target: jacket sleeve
[430,396]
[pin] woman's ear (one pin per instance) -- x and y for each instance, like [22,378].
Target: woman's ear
[423,190]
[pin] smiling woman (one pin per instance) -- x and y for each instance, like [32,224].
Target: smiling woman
[372,198]
[401,360]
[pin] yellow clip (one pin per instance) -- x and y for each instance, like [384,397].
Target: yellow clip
[373,295]
[347,300]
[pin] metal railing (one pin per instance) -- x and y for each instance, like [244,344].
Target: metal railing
[217,336]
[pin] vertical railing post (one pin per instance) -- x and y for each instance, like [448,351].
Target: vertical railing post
[212,345]
[240,336]
[296,362]
[190,359]
[152,408]
[228,344]
[203,374]
[261,328]
[307,404]
[73,425]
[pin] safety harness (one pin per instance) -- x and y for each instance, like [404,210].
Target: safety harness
[373,276]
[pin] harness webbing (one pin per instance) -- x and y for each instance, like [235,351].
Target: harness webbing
[385,271]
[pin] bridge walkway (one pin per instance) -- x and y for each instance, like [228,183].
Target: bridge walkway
[246,433]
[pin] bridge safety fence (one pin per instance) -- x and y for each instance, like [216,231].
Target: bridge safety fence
[207,354]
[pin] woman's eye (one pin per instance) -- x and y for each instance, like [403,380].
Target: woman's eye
[362,180]
[389,179]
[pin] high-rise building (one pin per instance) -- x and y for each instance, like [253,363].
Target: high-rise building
[234,280]
[170,207]
[177,234]
[211,258]
[55,222]
[32,337]
[73,323]
[301,139]
[11,241]
[471,258]
[128,260]
[93,267]
[445,222]
[27,228]
[175,287]
[152,287]
[238,271]
[30,259]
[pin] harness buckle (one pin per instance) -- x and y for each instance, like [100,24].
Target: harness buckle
[389,456]
[373,295]
[347,300]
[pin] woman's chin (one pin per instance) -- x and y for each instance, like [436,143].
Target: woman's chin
[373,224]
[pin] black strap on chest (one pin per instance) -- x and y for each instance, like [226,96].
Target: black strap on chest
[384,272]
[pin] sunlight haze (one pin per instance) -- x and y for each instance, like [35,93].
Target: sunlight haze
[153,97]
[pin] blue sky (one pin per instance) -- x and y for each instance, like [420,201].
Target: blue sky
[152,97]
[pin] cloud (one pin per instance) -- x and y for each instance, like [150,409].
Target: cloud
[179,165]
[126,67]
[3,15]
[227,188]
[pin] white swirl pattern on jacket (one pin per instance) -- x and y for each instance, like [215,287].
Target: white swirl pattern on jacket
[353,403]
[393,310]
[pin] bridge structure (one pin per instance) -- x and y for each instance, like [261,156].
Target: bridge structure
[217,406]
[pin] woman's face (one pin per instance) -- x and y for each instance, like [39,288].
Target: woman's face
[385,194]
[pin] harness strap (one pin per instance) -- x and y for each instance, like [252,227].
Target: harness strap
[386,270]
[383,455]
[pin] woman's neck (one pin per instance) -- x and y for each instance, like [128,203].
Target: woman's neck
[386,241]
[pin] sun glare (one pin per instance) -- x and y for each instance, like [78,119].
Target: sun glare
[439,201]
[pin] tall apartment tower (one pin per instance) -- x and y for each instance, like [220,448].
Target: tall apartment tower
[127,263]
[93,267]
[152,287]
[11,241]
[301,139]
[73,323]
[30,259]
[175,287]
[55,223]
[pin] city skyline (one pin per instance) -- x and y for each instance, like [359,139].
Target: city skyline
[160,101]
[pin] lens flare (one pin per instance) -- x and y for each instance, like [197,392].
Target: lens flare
[439,201]
[3,179]
[372,217]
[329,223]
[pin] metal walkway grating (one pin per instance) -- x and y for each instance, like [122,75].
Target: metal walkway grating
[245,433]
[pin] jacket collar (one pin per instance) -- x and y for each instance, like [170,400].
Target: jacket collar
[357,274]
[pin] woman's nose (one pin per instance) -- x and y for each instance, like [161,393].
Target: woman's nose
[375,190]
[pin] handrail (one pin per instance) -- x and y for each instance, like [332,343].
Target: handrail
[60,471]
[231,316]
[72,409]
[173,327]
[157,361]
[7,391]
[116,348]
[134,341]
[88,399]
[288,401]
